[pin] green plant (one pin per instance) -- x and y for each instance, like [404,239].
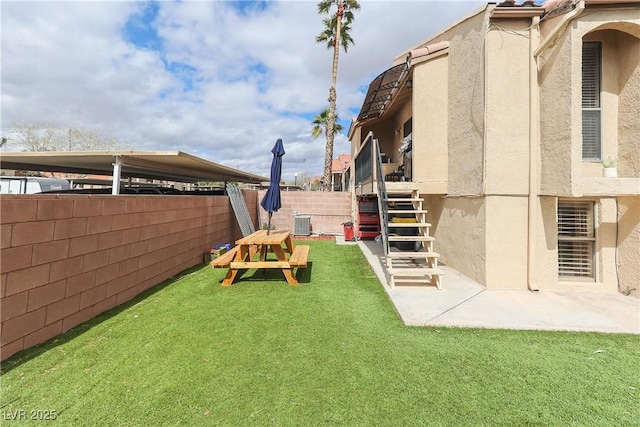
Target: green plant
[609,163]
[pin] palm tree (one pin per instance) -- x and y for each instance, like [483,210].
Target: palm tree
[320,121]
[335,34]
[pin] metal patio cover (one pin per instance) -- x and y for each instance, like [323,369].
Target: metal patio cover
[162,165]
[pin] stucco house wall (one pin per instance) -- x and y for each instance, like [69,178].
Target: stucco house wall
[458,225]
[461,216]
[465,125]
[619,31]
[506,164]
[506,246]
[562,166]
[503,199]
[507,117]
[556,100]
[385,133]
[628,102]
[487,136]
[563,170]
[628,243]
[513,131]
[429,104]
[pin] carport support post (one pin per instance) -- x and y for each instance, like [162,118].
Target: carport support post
[115,189]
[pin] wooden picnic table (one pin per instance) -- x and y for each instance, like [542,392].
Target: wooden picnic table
[251,252]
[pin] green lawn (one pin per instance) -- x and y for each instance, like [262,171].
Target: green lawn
[331,351]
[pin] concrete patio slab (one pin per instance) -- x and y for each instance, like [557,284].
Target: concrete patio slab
[463,302]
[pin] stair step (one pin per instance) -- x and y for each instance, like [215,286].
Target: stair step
[404,200]
[394,238]
[402,255]
[402,190]
[413,281]
[407,211]
[407,280]
[408,224]
[413,271]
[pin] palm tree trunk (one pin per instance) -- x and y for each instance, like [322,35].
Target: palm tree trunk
[331,118]
[330,130]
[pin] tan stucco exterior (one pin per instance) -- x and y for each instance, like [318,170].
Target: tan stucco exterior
[465,121]
[507,117]
[430,101]
[497,141]
[462,220]
[628,244]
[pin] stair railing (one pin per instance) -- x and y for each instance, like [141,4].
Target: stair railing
[382,196]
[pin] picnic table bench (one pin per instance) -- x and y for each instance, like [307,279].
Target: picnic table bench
[299,256]
[223,260]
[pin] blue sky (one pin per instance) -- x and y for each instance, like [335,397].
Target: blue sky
[217,79]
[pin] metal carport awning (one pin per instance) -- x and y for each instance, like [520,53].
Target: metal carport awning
[162,165]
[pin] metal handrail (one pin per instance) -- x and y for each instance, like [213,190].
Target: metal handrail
[382,197]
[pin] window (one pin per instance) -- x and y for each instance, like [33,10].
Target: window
[407,127]
[576,239]
[591,111]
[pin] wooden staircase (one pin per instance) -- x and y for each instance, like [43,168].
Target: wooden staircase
[410,258]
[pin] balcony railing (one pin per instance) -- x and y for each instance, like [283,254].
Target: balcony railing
[364,162]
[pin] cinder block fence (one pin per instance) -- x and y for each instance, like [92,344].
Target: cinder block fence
[327,210]
[64,259]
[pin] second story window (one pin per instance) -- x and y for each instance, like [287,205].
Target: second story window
[591,107]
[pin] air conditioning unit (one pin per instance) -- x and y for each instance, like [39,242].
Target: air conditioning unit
[301,225]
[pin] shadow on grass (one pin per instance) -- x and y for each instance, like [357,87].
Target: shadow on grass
[30,353]
[271,275]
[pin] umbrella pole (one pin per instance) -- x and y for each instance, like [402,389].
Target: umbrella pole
[269,224]
[264,256]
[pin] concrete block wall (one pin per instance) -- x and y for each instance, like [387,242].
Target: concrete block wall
[67,258]
[328,210]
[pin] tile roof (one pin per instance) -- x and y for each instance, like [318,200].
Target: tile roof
[428,50]
[548,5]
[550,8]
[522,8]
[525,3]
[341,163]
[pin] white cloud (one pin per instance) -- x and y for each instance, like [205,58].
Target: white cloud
[218,84]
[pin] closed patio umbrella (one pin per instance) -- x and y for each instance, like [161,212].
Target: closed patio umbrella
[271,201]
